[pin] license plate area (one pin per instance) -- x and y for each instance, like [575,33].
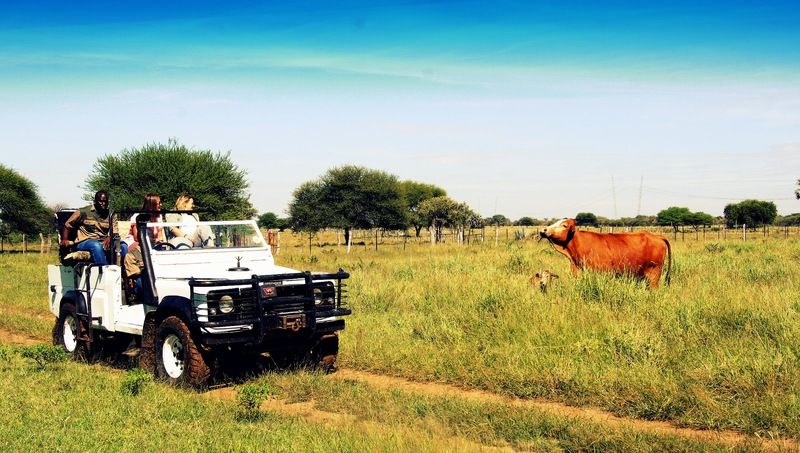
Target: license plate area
[292,322]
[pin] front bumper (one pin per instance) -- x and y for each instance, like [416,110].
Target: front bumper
[289,314]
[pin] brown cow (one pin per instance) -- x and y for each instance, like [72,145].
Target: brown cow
[640,255]
[542,280]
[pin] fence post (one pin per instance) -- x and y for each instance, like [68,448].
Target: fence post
[376,239]
[24,244]
[744,232]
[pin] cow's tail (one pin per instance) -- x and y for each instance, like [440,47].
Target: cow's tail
[669,262]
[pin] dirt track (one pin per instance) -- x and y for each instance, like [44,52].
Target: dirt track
[596,415]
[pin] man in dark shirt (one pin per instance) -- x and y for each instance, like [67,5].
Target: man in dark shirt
[92,223]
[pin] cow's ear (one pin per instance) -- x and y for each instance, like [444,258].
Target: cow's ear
[571,224]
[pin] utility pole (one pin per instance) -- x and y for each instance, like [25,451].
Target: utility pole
[639,207]
[614,194]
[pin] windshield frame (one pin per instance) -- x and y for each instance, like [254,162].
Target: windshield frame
[167,225]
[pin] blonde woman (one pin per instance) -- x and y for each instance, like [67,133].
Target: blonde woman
[190,233]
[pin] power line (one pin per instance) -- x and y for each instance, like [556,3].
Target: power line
[710,197]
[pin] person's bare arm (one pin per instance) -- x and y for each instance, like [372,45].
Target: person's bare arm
[69,225]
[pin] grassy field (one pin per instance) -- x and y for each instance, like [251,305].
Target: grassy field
[719,348]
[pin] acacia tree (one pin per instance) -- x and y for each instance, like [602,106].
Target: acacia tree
[268,220]
[751,213]
[170,170]
[586,218]
[797,191]
[414,193]
[442,212]
[673,216]
[21,208]
[348,197]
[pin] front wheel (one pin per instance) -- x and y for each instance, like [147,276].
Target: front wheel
[321,355]
[178,360]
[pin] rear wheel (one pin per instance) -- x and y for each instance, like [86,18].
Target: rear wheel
[67,333]
[178,360]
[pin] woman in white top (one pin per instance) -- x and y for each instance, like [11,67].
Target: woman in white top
[190,233]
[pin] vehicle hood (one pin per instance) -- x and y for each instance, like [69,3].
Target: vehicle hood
[217,270]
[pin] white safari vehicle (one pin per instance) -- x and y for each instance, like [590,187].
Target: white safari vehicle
[198,305]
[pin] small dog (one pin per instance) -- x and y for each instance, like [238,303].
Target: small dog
[542,279]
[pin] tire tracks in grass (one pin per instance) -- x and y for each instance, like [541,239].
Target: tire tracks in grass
[592,414]
[307,411]
[381,381]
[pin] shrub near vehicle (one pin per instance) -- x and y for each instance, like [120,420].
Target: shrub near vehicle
[199,305]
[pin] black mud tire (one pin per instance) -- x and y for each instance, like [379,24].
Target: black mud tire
[147,355]
[66,335]
[325,353]
[185,364]
[320,356]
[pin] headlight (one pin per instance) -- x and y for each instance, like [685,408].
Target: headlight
[226,304]
[317,296]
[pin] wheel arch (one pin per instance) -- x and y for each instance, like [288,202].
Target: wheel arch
[75,298]
[175,306]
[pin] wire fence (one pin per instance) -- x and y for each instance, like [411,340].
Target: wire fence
[376,239]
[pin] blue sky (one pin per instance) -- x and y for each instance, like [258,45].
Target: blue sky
[520,108]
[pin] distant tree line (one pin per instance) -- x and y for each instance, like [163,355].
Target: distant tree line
[353,197]
[348,197]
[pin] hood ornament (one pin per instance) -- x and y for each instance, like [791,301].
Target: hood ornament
[238,267]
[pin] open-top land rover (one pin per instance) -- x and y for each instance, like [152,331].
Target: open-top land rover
[195,306]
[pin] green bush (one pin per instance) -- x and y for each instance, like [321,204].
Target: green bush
[43,354]
[134,381]
[249,400]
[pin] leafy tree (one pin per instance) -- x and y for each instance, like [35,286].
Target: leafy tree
[750,212]
[443,212]
[674,216]
[788,220]
[586,218]
[640,220]
[267,220]
[797,191]
[415,193]
[698,219]
[348,197]
[498,220]
[526,221]
[22,209]
[169,170]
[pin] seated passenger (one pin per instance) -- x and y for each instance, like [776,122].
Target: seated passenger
[92,223]
[133,261]
[190,233]
[151,204]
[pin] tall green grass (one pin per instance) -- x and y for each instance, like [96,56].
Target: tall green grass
[719,348]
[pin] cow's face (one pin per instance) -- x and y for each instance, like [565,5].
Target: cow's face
[559,231]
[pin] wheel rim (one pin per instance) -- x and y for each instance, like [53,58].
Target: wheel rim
[69,333]
[172,356]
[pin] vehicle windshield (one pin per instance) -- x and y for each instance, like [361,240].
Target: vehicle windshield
[193,235]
